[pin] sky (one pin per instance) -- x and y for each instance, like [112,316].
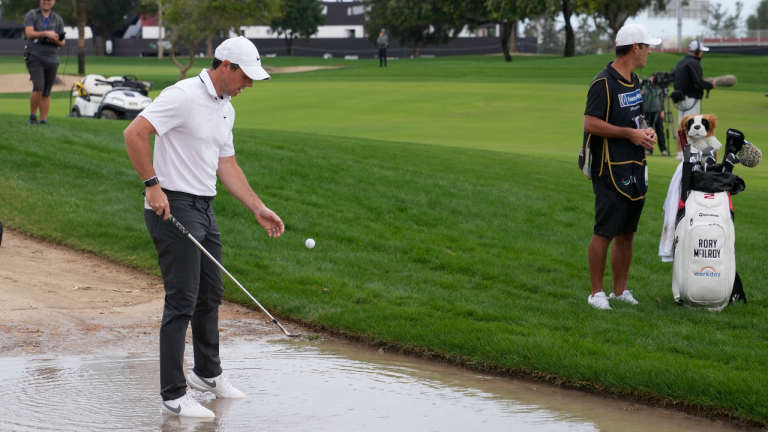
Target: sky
[666,28]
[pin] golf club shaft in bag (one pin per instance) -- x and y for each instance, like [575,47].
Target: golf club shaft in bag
[185,232]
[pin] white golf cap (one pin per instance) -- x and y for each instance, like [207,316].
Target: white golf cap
[243,52]
[694,45]
[635,33]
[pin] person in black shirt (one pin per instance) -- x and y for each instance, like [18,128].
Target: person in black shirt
[615,139]
[689,79]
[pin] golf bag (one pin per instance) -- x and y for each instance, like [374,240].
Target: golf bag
[704,271]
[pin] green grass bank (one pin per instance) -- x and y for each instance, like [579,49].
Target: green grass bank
[449,216]
[472,254]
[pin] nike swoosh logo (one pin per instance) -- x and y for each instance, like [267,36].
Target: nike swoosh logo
[173,410]
[211,384]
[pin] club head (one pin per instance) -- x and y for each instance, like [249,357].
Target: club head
[293,335]
[730,160]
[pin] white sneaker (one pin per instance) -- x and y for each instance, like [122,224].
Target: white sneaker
[599,301]
[185,406]
[220,386]
[625,296]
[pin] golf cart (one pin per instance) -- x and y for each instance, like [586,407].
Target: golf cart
[109,98]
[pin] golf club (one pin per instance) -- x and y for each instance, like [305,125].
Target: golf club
[185,232]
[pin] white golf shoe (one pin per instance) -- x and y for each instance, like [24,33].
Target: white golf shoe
[185,406]
[220,386]
[599,301]
[625,296]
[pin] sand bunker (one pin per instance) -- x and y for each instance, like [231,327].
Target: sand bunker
[55,300]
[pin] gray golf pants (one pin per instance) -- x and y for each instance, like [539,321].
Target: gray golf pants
[193,290]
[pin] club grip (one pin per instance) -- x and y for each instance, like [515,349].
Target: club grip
[178,224]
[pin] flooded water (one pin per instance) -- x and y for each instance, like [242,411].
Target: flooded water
[304,386]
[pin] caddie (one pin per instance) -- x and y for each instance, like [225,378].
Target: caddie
[612,155]
[193,122]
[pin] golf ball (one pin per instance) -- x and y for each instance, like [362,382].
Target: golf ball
[309,243]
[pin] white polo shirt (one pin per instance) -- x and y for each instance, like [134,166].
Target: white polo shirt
[194,129]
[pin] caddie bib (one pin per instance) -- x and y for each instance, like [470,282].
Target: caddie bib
[618,158]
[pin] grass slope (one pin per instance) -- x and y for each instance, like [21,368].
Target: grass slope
[475,254]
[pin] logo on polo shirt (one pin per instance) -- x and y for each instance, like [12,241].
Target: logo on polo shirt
[629,99]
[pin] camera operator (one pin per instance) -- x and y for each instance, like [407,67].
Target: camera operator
[45,33]
[689,80]
[653,110]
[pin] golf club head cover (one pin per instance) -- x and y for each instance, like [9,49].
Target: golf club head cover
[750,156]
[734,141]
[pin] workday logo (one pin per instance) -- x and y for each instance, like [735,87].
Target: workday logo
[629,99]
[707,272]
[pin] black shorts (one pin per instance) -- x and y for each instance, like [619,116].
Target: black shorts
[42,74]
[615,214]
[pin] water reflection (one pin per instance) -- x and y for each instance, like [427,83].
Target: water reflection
[302,386]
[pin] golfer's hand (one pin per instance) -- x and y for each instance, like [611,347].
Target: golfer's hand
[661,114]
[714,83]
[271,222]
[642,138]
[158,201]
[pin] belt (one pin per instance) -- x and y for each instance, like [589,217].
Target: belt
[188,195]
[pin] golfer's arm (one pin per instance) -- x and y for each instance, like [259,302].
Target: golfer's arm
[138,146]
[234,180]
[599,127]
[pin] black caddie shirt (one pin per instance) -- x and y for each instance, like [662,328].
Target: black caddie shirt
[617,101]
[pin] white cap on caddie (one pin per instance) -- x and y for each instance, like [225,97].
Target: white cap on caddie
[694,45]
[242,52]
[635,33]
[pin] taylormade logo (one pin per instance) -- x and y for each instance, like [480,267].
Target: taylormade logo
[708,214]
[707,272]
[629,99]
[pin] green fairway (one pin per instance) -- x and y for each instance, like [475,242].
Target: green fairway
[449,215]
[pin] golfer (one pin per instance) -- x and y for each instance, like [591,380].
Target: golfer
[193,122]
[44,30]
[616,137]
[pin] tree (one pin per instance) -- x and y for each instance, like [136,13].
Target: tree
[570,41]
[81,20]
[507,13]
[543,29]
[417,23]
[589,40]
[298,19]
[610,15]
[155,7]
[105,16]
[759,21]
[187,26]
[225,15]
[721,24]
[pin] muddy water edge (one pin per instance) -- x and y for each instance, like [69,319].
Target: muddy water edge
[78,352]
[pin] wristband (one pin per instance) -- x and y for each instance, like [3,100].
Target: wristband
[151,182]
